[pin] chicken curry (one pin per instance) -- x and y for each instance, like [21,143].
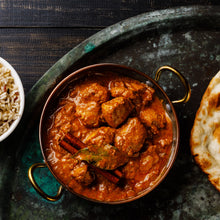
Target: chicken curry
[122,131]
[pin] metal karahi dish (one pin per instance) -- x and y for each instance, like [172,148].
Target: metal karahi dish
[12,99]
[141,158]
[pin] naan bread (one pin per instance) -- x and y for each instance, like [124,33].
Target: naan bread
[205,134]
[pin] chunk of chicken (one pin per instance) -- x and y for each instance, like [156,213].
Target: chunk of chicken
[153,119]
[147,95]
[92,92]
[118,89]
[88,98]
[130,137]
[116,111]
[78,129]
[82,174]
[100,136]
[135,86]
[143,98]
[139,93]
[89,113]
[126,88]
[148,159]
[130,169]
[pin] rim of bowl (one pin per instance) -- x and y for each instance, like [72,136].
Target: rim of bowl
[18,82]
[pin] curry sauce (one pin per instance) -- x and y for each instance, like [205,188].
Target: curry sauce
[124,126]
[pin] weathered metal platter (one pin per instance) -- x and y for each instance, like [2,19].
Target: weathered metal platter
[185,38]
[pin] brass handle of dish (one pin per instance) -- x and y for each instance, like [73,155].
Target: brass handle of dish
[181,77]
[37,188]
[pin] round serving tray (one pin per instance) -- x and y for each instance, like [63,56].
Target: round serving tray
[186,38]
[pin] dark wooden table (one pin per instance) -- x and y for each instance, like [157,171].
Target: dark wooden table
[35,34]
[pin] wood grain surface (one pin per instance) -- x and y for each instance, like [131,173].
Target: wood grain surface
[34,34]
[83,13]
[32,51]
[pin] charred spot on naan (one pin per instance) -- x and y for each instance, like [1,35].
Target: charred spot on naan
[214,102]
[203,161]
[216,133]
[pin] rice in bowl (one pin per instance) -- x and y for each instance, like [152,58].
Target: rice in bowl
[9,99]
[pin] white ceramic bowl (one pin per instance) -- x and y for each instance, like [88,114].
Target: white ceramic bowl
[18,82]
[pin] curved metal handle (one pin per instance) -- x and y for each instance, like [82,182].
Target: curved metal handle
[181,77]
[37,188]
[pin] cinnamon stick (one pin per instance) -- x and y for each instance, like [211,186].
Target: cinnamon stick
[118,173]
[75,141]
[106,174]
[68,147]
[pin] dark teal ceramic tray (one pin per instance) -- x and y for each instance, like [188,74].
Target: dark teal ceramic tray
[185,38]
